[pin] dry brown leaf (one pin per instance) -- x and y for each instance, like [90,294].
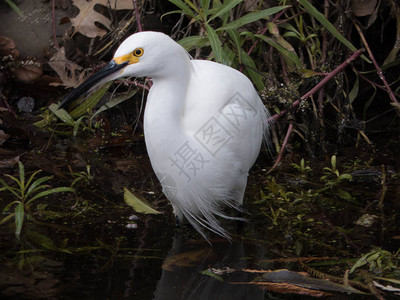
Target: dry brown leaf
[7,47]
[85,21]
[362,8]
[28,71]
[70,73]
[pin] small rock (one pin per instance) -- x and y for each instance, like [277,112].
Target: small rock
[26,104]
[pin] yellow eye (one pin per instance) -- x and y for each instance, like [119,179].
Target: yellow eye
[138,52]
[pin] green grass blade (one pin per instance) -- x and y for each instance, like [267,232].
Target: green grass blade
[329,26]
[138,203]
[31,179]
[6,219]
[21,177]
[205,5]
[236,41]
[192,6]
[8,206]
[13,190]
[19,218]
[62,114]
[185,9]
[15,8]
[194,41]
[251,69]
[15,179]
[290,57]
[214,42]
[252,17]
[114,102]
[90,102]
[38,188]
[226,7]
[76,125]
[36,183]
[51,191]
[44,241]
[5,185]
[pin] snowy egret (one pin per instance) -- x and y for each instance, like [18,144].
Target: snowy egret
[204,124]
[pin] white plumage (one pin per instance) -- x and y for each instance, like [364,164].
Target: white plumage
[203,123]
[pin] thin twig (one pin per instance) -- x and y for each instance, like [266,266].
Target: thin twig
[136,83]
[285,141]
[320,84]
[53,22]
[377,67]
[137,14]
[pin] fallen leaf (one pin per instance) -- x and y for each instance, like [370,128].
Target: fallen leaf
[85,21]
[7,47]
[69,72]
[362,8]
[138,204]
[29,70]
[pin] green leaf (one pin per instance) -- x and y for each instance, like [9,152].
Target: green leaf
[345,177]
[5,186]
[76,125]
[21,177]
[115,101]
[213,275]
[344,195]
[44,241]
[228,56]
[354,91]
[193,6]
[170,13]
[333,162]
[62,114]
[138,204]
[37,182]
[185,9]
[40,187]
[19,218]
[15,8]
[251,69]
[51,191]
[252,17]
[226,7]
[328,25]
[205,4]
[6,219]
[215,43]
[90,102]
[194,41]
[236,41]
[30,180]
[290,57]
[8,206]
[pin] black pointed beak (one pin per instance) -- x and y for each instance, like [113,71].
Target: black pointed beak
[96,78]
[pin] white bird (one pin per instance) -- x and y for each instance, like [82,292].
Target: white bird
[204,124]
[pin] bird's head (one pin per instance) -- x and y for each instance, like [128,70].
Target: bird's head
[143,54]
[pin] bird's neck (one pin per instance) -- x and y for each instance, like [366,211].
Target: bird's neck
[164,108]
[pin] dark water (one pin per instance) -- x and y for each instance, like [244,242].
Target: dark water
[102,249]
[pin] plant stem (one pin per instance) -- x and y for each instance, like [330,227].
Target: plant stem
[320,84]
[377,67]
